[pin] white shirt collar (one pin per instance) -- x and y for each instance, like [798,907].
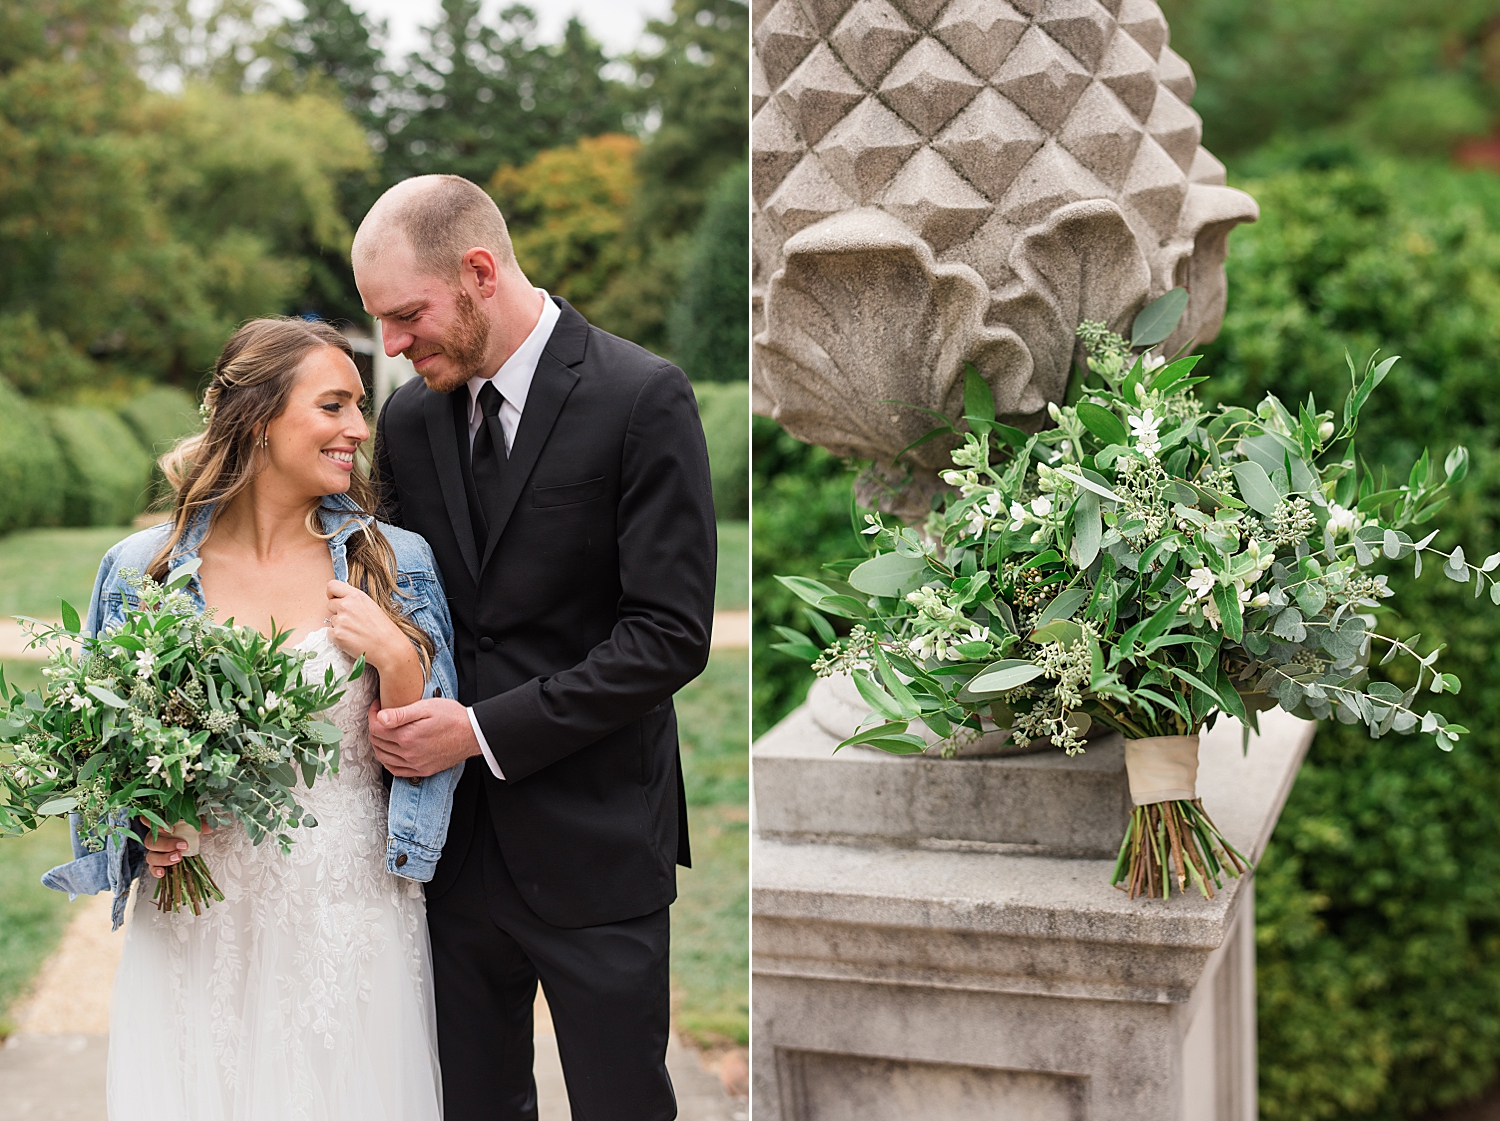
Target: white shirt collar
[513,379]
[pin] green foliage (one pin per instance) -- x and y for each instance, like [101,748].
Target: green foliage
[732,588]
[711,918]
[31,475]
[1388,74]
[160,417]
[489,95]
[725,412]
[139,228]
[106,472]
[1378,901]
[801,521]
[711,319]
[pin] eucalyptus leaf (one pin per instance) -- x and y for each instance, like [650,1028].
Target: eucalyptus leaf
[1158,319]
[889,574]
[1255,487]
[1001,677]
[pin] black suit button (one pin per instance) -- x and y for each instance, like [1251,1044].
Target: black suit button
[400,860]
[486,644]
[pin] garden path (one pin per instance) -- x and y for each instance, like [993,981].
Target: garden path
[52,1068]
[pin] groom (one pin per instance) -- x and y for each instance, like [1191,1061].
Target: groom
[560,475]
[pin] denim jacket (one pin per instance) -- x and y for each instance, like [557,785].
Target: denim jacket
[419,808]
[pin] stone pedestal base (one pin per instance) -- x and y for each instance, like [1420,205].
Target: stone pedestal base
[976,964]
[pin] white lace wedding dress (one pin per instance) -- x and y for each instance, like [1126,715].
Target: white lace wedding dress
[306,995]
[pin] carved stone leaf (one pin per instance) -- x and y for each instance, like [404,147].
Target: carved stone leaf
[818,93]
[1042,79]
[870,38]
[929,86]
[980,32]
[989,142]
[865,149]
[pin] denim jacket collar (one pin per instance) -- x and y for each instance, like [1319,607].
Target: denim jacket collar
[339,514]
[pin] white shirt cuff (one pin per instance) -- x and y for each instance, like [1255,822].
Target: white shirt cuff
[484,746]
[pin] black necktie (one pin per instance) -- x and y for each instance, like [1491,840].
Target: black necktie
[487,460]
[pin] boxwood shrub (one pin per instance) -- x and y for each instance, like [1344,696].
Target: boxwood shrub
[31,467]
[106,470]
[724,408]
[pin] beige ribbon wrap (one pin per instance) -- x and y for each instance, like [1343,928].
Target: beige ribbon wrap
[1163,769]
[185,832]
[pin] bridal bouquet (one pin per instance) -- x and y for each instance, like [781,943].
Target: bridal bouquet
[171,718]
[1145,565]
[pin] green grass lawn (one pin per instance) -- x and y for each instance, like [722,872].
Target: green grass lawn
[711,919]
[733,589]
[38,567]
[31,916]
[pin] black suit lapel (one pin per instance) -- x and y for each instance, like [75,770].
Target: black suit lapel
[437,410]
[550,386]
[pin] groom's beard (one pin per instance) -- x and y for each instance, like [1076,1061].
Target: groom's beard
[465,348]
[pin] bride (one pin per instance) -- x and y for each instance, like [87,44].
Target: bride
[306,993]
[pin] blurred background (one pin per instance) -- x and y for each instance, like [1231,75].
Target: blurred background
[1369,131]
[170,168]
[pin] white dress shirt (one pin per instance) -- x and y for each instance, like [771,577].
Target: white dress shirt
[513,380]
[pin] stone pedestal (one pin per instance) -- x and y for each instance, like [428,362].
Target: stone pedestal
[938,939]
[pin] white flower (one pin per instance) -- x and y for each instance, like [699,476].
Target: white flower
[1201,582]
[1341,520]
[978,634]
[921,646]
[154,763]
[80,703]
[145,663]
[1145,429]
[1211,613]
[1325,431]
[1261,600]
[1041,505]
[272,700]
[1018,516]
[1150,362]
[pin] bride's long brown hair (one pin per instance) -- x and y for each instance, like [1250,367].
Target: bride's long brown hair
[252,380]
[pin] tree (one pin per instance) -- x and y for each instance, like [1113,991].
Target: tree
[138,228]
[567,209]
[480,97]
[711,320]
[1388,74]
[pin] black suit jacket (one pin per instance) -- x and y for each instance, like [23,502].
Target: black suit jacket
[587,607]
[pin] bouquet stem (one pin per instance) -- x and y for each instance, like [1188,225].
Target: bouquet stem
[1174,840]
[187,882]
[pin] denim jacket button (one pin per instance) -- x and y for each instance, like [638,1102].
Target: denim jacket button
[400,860]
[415,781]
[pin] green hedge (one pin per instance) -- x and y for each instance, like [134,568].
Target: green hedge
[31,467]
[107,471]
[710,322]
[724,408]
[160,417]
[1378,918]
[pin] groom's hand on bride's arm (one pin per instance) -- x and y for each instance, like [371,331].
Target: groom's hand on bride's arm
[423,738]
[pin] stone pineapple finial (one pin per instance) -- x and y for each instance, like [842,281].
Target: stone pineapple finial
[947,181]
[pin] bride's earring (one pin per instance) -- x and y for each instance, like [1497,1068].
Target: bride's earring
[264,441]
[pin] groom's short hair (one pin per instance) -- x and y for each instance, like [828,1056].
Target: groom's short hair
[442,217]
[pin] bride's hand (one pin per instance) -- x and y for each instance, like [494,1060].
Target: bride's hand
[357,625]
